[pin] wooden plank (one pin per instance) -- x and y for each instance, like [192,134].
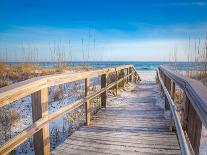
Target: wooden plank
[172,90]
[167,106]
[121,129]
[87,103]
[41,139]
[104,94]
[194,127]
[184,118]
[117,86]
[172,93]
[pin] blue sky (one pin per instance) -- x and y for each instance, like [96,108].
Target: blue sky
[101,29]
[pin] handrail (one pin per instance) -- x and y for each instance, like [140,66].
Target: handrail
[181,136]
[194,108]
[195,91]
[19,90]
[40,101]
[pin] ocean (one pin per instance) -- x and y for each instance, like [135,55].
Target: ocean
[139,65]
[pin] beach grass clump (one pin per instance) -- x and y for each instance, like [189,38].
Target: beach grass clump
[58,93]
[9,117]
[179,98]
[83,68]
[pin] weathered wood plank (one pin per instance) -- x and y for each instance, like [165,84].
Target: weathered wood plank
[41,139]
[87,103]
[130,127]
[104,94]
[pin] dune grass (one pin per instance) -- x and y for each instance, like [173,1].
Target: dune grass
[11,73]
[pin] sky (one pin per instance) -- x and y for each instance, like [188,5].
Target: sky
[100,30]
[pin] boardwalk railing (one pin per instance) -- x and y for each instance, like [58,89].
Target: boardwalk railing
[189,126]
[38,89]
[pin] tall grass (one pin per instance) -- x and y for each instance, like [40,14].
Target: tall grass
[196,56]
[29,68]
[199,57]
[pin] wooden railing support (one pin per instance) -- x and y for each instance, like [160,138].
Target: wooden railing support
[184,117]
[192,125]
[136,77]
[87,103]
[122,76]
[167,107]
[117,86]
[161,89]
[172,94]
[104,94]
[130,71]
[127,79]
[172,90]
[41,139]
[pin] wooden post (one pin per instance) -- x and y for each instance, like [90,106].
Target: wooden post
[167,107]
[171,123]
[130,71]
[192,125]
[41,139]
[127,79]
[172,94]
[122,75]
[104,94]
[161,89]
[117,87]
[87,103]
[184,117]
[135,79]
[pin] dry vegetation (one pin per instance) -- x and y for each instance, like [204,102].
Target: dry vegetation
[11,73]
[8,117]
[199,57]
[196,66]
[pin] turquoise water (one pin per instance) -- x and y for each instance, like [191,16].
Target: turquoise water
[139,65]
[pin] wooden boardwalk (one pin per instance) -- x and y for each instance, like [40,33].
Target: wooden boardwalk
[133,123]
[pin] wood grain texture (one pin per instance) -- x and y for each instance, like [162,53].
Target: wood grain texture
[132,124]
[41,138]
[104,94]
[87,103]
